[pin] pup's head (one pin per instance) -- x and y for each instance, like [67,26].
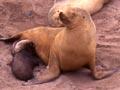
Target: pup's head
[75,17]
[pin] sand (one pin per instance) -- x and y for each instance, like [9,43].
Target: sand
[19,15]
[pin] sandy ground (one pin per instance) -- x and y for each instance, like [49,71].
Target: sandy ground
[18,15]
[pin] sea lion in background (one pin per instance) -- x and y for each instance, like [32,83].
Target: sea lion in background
[91,6]
[24,62]
[69,49]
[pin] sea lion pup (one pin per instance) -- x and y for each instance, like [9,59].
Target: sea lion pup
[73,47]
[91,6]
[24,62]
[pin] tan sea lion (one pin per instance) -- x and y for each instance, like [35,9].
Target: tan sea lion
[91,6]
[66,48]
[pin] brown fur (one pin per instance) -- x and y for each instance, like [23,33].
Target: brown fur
[24,62]
[91,6]
[68,48]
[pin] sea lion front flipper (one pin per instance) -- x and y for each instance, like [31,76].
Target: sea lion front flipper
[100,72]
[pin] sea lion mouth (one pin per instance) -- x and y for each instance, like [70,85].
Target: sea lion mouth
[63,18]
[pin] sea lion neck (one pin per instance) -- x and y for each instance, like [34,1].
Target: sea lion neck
[77,27]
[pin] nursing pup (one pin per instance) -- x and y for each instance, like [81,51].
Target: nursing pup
[64,49]
[91,6]
[24,62]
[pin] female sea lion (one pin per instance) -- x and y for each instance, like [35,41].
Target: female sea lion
[66,48]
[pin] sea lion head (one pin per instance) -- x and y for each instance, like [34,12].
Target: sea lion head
[53,15]
[74,17]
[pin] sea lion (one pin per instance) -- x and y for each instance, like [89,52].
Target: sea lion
[24,62]
[69,49]
[91,6]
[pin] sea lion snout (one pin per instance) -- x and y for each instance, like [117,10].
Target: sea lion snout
[74,17]
[64,19]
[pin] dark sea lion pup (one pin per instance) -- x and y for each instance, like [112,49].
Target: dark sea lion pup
[24,62]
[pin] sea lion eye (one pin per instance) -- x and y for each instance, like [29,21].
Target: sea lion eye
[73,14]
[83,17]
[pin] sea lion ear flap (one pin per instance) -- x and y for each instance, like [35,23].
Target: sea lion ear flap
[64,19]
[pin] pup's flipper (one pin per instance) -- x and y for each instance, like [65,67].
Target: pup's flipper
[21,45]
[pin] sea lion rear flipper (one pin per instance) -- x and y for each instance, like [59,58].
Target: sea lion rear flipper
[10,39]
